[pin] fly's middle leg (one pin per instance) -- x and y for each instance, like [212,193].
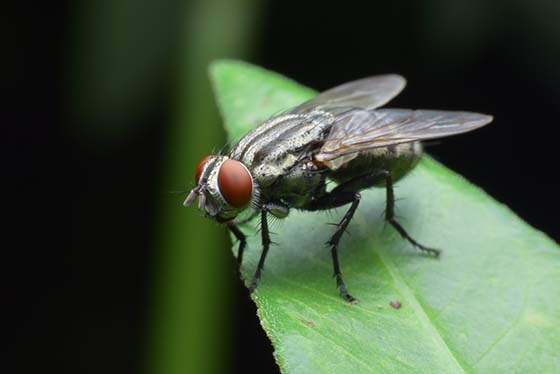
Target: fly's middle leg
[333,243]
[343,194]
[338,197]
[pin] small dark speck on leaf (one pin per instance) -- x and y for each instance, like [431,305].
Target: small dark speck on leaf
[395,304]
[309,323]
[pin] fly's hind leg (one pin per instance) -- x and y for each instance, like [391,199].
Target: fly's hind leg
[390,216]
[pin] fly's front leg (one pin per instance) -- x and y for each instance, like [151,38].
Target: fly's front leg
[266,244]
[280,211]
[242,244]
[390,216]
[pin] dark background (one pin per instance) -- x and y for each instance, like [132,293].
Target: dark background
[82,283]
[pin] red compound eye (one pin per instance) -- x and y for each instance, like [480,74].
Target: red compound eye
[199,168]
[235,183]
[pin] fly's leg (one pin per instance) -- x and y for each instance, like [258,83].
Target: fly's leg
[339,196]
[370,179]
[278,210]
[390,216]
[242,244]
[343,194]
[333,243]
[266,244]
[347,192]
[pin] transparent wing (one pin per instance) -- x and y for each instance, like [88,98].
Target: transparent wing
[357,130]
[367,93]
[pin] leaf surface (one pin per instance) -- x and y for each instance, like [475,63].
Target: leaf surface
[491,303]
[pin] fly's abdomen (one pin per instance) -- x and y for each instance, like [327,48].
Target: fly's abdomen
[398,159]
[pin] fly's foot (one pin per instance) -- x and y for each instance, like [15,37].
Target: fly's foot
[432,251]
[343,291]
[238,271]
[253,285]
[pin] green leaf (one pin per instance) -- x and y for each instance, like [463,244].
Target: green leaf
[491,303]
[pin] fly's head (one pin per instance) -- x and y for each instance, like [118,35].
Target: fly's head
[224,188]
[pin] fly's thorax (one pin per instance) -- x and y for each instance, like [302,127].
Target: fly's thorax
[267,172]
[275,146]
[299,185]
[225,188]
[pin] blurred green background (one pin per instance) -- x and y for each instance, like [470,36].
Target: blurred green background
[148,286]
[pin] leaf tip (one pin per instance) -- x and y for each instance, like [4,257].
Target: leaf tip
[219,66]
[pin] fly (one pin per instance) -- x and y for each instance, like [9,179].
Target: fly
[341,136]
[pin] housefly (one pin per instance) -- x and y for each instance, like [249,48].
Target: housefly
[340,136]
